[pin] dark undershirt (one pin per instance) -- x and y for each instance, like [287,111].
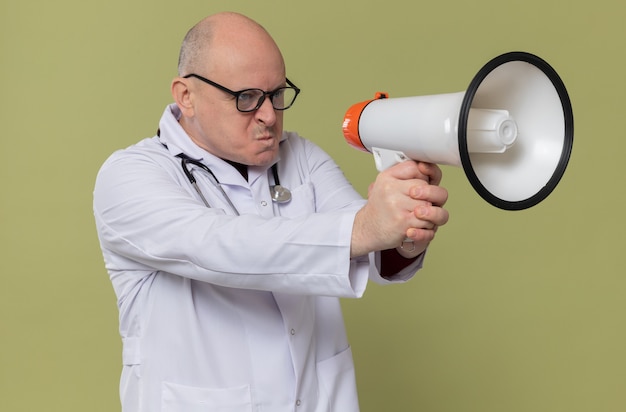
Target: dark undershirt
[241,168]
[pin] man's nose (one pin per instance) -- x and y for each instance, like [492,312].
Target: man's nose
[266,113]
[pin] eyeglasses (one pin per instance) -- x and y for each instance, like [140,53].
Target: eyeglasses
[249,100]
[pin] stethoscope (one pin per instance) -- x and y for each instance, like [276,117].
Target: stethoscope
[278,193]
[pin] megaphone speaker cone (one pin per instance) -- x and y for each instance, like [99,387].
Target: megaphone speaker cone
[535,96]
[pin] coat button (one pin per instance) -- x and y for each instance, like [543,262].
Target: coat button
[293,332]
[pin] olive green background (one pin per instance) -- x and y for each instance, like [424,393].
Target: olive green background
[514,311]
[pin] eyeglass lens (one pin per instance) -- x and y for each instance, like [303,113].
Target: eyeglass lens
[282,98]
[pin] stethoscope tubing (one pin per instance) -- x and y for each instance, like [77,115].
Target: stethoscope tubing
[184,161]
[278,193]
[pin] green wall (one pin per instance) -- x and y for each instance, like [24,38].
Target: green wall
[514,311]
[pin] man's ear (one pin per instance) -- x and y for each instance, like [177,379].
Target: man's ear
[183,96]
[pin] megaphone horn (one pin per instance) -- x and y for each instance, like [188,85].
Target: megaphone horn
[512,130]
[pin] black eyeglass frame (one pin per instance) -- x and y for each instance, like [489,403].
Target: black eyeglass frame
[271,94]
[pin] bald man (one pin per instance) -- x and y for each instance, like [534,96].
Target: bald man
[229,241]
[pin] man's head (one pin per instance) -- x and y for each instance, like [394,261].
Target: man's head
[236,53]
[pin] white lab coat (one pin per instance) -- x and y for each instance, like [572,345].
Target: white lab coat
[225,313]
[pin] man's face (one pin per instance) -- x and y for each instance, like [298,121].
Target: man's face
[216,125]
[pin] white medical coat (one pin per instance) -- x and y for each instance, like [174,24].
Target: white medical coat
[225,313]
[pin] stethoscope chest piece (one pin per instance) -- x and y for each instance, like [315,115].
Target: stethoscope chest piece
[280,194]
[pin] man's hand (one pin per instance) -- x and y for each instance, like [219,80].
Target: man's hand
[404,203]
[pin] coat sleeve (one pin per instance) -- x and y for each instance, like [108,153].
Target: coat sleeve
[147,221]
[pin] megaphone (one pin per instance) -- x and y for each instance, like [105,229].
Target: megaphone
[512,130]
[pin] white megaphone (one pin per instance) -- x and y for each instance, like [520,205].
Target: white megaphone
[512,130]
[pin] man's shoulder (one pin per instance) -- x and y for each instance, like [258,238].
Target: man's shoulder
[148,146]
[149,149]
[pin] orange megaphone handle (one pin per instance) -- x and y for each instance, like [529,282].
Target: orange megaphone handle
[351,122]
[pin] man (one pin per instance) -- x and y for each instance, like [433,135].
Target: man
[228,300]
